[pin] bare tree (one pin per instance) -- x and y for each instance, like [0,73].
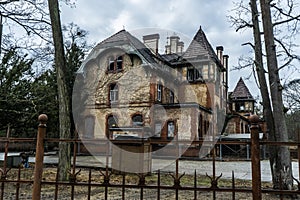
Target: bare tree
[271,94]
[64,162]
[292,95]
[281,161]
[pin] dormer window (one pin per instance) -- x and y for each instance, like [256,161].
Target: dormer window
[115,64]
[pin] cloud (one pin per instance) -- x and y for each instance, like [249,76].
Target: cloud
[104,18]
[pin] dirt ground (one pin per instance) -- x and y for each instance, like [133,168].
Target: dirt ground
[24,190]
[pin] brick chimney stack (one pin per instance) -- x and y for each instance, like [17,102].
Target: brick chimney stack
[175,46]
[151,41]
[220,50]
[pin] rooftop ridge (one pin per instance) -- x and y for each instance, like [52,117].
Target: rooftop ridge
[241,91]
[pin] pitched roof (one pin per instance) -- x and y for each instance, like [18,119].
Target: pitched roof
[241,91]
[200,47]
[123,37]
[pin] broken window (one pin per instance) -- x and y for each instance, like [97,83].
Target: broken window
[190,74]
[171,129]
[119,63]
[111,64]
[171,96]
[194,74]
[240,106]
[159,92]
[112,121]
[115,64]
[137,120]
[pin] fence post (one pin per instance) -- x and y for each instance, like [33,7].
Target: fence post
[39,157]
[255,158]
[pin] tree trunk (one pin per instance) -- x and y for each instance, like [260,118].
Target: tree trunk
[281,163]
[267,110]
[64,161]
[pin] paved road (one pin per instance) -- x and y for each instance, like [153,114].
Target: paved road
[242,169]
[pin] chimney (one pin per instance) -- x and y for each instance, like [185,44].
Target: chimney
[151,41]
[225,79]
[220,53]
[173,44]
[180,46]
[225,61]
[168,49]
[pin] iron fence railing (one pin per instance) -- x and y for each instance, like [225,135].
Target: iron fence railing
[40,181]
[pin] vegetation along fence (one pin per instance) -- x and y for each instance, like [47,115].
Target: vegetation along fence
[36,179]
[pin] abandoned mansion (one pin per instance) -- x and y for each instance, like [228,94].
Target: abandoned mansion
[131,90]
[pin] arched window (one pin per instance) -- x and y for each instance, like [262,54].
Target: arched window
[112,122]
[137,120]
[113,93]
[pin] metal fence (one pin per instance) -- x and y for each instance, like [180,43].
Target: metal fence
[40,181]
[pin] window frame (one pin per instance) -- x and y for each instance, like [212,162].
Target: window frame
[113,93]
[159,92]
[115,63]
[89,126]
[168,130]
[171,97]
[157,125]
[194,74]
[108,134]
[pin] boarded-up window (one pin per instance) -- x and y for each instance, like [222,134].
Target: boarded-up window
[89,126]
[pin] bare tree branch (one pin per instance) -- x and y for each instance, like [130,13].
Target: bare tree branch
[249,43]
[287,52]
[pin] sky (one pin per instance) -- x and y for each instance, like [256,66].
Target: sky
[104,18]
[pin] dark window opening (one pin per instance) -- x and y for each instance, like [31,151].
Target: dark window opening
[171,97]
[115,64]
[200,127]
[190,75]
[240,106]
[119,63]
[194,74]
[111,64]
[112,122]
[137,120]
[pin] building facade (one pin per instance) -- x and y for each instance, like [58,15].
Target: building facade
[131,89]
[241,106]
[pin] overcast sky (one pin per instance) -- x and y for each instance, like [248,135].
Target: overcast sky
[103,18]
